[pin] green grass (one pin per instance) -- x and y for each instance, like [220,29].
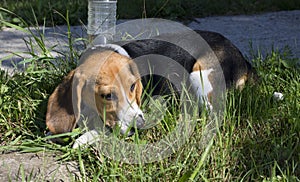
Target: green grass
[257,141]
[46,10]
[199,8]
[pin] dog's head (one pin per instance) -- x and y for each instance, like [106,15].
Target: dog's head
[106,82]
[118,91]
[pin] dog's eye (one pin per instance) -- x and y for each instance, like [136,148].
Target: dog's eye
[132,87]
[109,97]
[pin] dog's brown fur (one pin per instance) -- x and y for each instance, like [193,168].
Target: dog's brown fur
[100,74]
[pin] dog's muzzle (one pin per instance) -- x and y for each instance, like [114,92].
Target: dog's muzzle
[139,124]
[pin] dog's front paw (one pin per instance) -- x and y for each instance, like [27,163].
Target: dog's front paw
[87,138]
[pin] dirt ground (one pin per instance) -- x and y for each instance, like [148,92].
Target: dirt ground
[36,167]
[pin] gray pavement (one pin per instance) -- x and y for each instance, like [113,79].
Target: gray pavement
[265,32]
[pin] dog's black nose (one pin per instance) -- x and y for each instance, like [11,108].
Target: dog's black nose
[140,122]
[131,132]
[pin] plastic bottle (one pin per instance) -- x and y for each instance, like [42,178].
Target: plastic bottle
[101,19]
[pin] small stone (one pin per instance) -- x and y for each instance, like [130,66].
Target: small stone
[278,96]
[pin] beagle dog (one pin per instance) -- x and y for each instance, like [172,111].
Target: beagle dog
[108,82]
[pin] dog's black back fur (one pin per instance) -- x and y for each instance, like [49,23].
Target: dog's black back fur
[232,62]
[231,59]
[160,85]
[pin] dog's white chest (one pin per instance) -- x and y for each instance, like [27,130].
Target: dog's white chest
[202,86]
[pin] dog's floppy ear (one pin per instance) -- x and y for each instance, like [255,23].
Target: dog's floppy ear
[60,117]
[139,87]
[139,91]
